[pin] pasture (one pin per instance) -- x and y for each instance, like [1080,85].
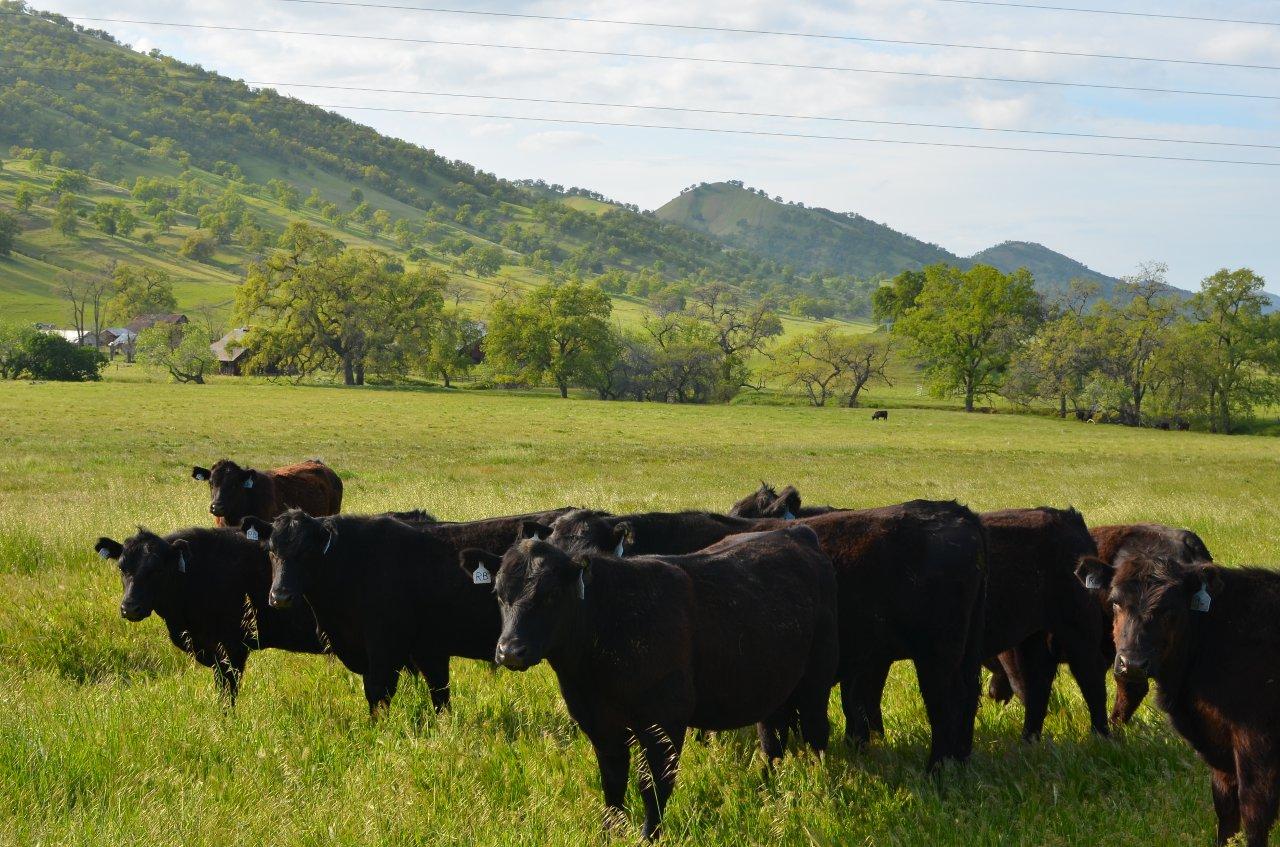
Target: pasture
[110,736]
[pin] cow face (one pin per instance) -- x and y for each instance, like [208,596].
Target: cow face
[539,589]
[1154,602]
[149,569]
[768,502]
[583,530]
[231,490]
[296,544]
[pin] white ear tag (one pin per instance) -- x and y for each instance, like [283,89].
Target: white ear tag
[201,477]
[620,550]
[481,576]
[327,545]
[1092,581]
[1200,601]
[248,483]
[251,534]
[102,553]
[582,584]
[788,516]
[182,563]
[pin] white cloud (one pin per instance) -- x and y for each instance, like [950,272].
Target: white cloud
[558,139]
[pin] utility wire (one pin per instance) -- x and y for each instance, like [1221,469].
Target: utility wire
[777,32]
[806,135]
[1162,15]
[669,57]
[680,109]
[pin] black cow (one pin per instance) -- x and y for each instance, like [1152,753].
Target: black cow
[210,588]
[743,632]
[911,582]
[880,415]
[388,596]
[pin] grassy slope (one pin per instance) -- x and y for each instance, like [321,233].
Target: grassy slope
[109,736]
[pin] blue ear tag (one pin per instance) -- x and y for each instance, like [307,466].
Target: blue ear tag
[182,563]
[1201,600]
[1092,581]
[102,551]
[619,551]
[201,477]
[248,483]
[788,516]
[327,545]
[251,534]
[481,576]
[582,584]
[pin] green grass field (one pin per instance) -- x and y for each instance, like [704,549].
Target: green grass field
[109,736]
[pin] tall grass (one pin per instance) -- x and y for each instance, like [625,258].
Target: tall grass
[109,736]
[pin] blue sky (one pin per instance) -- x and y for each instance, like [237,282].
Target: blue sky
[1111,214]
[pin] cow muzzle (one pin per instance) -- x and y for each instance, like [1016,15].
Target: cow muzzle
[1131,667]
[280,599]
[217,511]
[133,613]
[512,655]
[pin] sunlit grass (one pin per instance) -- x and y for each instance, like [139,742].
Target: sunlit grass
[109,736]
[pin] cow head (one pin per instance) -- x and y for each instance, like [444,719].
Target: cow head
[539,589]
[297,544]
[149,566]
[767,502]
[583,530]
[1154,602]
[231,490]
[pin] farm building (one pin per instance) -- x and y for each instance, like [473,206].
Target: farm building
[230,352]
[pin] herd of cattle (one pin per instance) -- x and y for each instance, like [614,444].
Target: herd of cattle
[658,622]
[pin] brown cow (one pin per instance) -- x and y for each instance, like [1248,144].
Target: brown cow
[1211,637]
[238,493]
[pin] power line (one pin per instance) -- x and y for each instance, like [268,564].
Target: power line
[684,109]
[1162,15]
[777,32]
[806,135]
[669,57]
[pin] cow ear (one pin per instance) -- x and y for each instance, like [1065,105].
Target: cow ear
[1094,573]
[624,536]
[791,503]
[481,565]
[533,529]
[1208,577]
[255,529]
[250,476]
[108,549]
[585,574]
[200,473]
[181,553]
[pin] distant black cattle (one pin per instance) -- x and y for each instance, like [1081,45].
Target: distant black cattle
[911,582]
[210,588]
[387,595]
[1211,637]
[237,493]
[880,415]
[743,632]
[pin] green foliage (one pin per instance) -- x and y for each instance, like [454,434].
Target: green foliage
[23,198]
[114,217]
[890,302]
[966,326]
[483,261]
[183,352]
[200,246]
[140,290]
[37,355]
[70,181]
[450,353]
[827,362]
[1240,346]
[66,220]
[14,341]
[560,332]
[9,229]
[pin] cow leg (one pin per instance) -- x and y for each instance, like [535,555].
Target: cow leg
[1259,793]
[999,687]
[1226,803]
[661,746]
[1085,659]
[436,670]
[860,695]
[968,685]
[613,755]
[1129,696]
[381,678]
[815,724]
[942,704]
[1038,668]
[228,667]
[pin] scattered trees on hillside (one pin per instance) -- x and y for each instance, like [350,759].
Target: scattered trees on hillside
[966,326]
[317,305]
[140,290]
[66,218]
[829,362]
[114,217]
[87,294]
[556,331]
[9,229]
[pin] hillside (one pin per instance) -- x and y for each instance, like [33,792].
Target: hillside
[814,239]
[191,153]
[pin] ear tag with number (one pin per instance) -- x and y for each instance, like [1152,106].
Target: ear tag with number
[1092,581]
[481,576]
[620,550]
[788,516]
[182,563]
[1200,601]
[582,585]
[201,477]
[251,533]
[102,552]
[248,483]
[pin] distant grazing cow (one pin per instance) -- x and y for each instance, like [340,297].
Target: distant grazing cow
[911,582]
[1211,637]
[210,588]
[880,415]
[238,493]
[387,595]
[743,632]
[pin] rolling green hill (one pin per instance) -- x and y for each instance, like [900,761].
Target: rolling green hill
[813,239]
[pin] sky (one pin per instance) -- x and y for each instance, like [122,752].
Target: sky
[1111,214]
